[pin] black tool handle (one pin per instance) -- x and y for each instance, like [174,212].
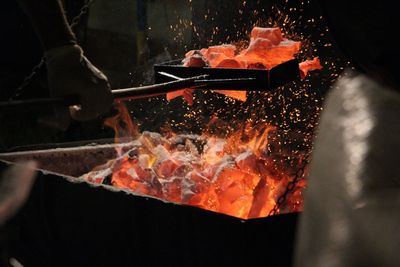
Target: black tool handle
[119,94]
[131,93]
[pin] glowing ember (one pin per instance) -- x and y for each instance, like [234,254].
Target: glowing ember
[309,65]
[237,175]
[267,49]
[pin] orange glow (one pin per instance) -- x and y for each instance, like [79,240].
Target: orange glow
[233,175]
[309,65]
[242,174]
[239,95]
[267,49]
[122,124]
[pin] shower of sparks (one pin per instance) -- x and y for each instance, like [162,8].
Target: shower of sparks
[293,110]
[294,107]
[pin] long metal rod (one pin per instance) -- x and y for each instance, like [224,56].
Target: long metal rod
[118,94]
[133,93]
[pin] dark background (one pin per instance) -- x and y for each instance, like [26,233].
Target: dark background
[124,38]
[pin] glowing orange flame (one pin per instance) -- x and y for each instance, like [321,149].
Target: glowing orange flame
[233,175]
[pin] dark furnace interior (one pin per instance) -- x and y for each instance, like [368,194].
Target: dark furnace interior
[69,223]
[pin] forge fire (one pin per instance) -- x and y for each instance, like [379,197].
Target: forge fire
[242,174]
[239,175]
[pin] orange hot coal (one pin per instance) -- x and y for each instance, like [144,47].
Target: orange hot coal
[267,49]
[237,175]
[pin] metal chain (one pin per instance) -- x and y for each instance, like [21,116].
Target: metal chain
[84,9]
[28,79]
[290,186]
[35,70]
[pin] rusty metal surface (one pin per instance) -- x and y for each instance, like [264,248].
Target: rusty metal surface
[71,161]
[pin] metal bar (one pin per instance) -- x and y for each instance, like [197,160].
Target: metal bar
[156,89]
[243,82]
[197,82]
[169,75]
[119,94]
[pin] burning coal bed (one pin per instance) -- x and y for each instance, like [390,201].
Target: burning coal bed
[238,176]
[242,174]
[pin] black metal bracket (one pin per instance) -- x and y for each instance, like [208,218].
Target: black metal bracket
[262,80]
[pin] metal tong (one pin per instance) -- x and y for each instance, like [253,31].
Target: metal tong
[196,82]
